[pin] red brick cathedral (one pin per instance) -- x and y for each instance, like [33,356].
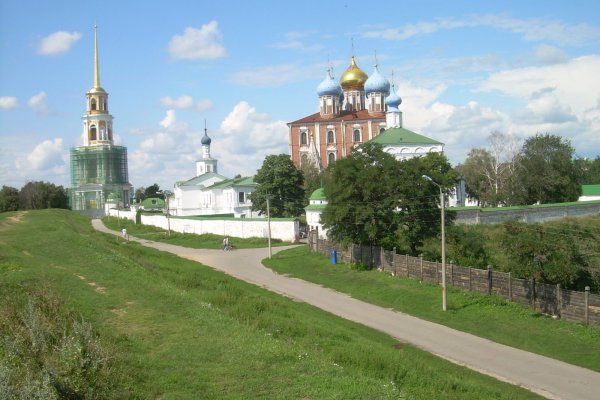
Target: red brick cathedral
[351,112]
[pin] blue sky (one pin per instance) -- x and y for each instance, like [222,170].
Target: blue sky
[463,69]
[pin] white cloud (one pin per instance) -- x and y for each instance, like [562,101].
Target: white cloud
[58,43]
[8,102]
[186,102]
[46,155]
[547,54]
[38,103]
[242,141]
[575,83]
[533,29]
[203,43]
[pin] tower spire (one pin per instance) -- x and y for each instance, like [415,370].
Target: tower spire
[96,61]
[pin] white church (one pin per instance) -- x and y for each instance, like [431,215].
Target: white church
[210,193]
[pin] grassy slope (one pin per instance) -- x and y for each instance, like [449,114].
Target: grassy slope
[485,316]
[181,330]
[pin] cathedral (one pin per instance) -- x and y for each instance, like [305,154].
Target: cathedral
[355,110]
[99,167]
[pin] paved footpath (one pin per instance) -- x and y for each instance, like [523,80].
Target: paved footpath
[548,377]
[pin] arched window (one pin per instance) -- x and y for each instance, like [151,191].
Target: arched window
[381,129]
[330,137]
[356,136]
[303,137]
[93,105]
[104,108]
[93,132]
[330,158]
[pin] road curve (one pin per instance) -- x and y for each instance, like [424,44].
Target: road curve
[545,376]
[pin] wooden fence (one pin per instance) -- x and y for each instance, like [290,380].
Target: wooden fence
[582,307]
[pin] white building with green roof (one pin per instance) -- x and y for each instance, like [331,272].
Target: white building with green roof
[314,209]
[210,193]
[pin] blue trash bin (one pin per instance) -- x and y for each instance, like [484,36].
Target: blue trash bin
[333,257]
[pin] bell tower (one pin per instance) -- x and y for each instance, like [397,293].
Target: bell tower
[97,122]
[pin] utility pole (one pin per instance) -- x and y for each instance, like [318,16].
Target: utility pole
[443,211]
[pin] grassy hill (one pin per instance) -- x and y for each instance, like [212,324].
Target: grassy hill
[88,315]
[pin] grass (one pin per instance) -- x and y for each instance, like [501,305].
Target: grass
[204,241]
[485,316]
[179,330]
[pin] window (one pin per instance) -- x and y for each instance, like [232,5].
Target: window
[381,129]
[303,137]
[241,197]
[330,158]
[93,132]
[93,105]
[330,137]
[356,135]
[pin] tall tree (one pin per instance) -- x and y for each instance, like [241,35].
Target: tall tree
[375,199]
[152,191]
[38,195]
[9,199]
[546,171]
[140,194]
[590,170]
[280,181]
[488,171]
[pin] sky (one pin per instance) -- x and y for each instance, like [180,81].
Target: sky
[463,69]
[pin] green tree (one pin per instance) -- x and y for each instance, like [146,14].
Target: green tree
[37,195]
[9,199]
[313,179]
[152,191]
[420,200]
[546,172]
[140,194]
[488,171]
[549,253]
[361,197]
[377,200]
[590,170]
[282,182]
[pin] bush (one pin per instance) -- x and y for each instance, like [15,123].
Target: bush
[47,354]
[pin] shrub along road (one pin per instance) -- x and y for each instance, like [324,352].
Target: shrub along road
[545,376]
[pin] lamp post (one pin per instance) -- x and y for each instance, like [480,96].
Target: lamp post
[443,212]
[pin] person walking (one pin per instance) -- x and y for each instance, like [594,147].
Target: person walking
[226,243]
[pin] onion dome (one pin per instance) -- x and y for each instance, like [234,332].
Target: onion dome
[329,86]
[353,77]
[393,100]
[205,139]
[377,83]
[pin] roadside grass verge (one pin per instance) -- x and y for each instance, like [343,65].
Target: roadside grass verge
[179,330]
[194,241]
[486,316]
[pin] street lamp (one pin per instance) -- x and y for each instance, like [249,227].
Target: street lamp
[442,208]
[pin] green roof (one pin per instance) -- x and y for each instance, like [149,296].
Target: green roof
[245,181]
[590,190]
[153,202]
[315,207]
[318,194]
[400,136]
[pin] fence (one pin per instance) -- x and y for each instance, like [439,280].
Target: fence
[582,307]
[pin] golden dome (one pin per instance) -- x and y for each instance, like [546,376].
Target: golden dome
[353,77]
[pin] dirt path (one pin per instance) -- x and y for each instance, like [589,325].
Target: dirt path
[545,376]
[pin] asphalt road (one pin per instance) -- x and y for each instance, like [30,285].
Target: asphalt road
[548,377]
